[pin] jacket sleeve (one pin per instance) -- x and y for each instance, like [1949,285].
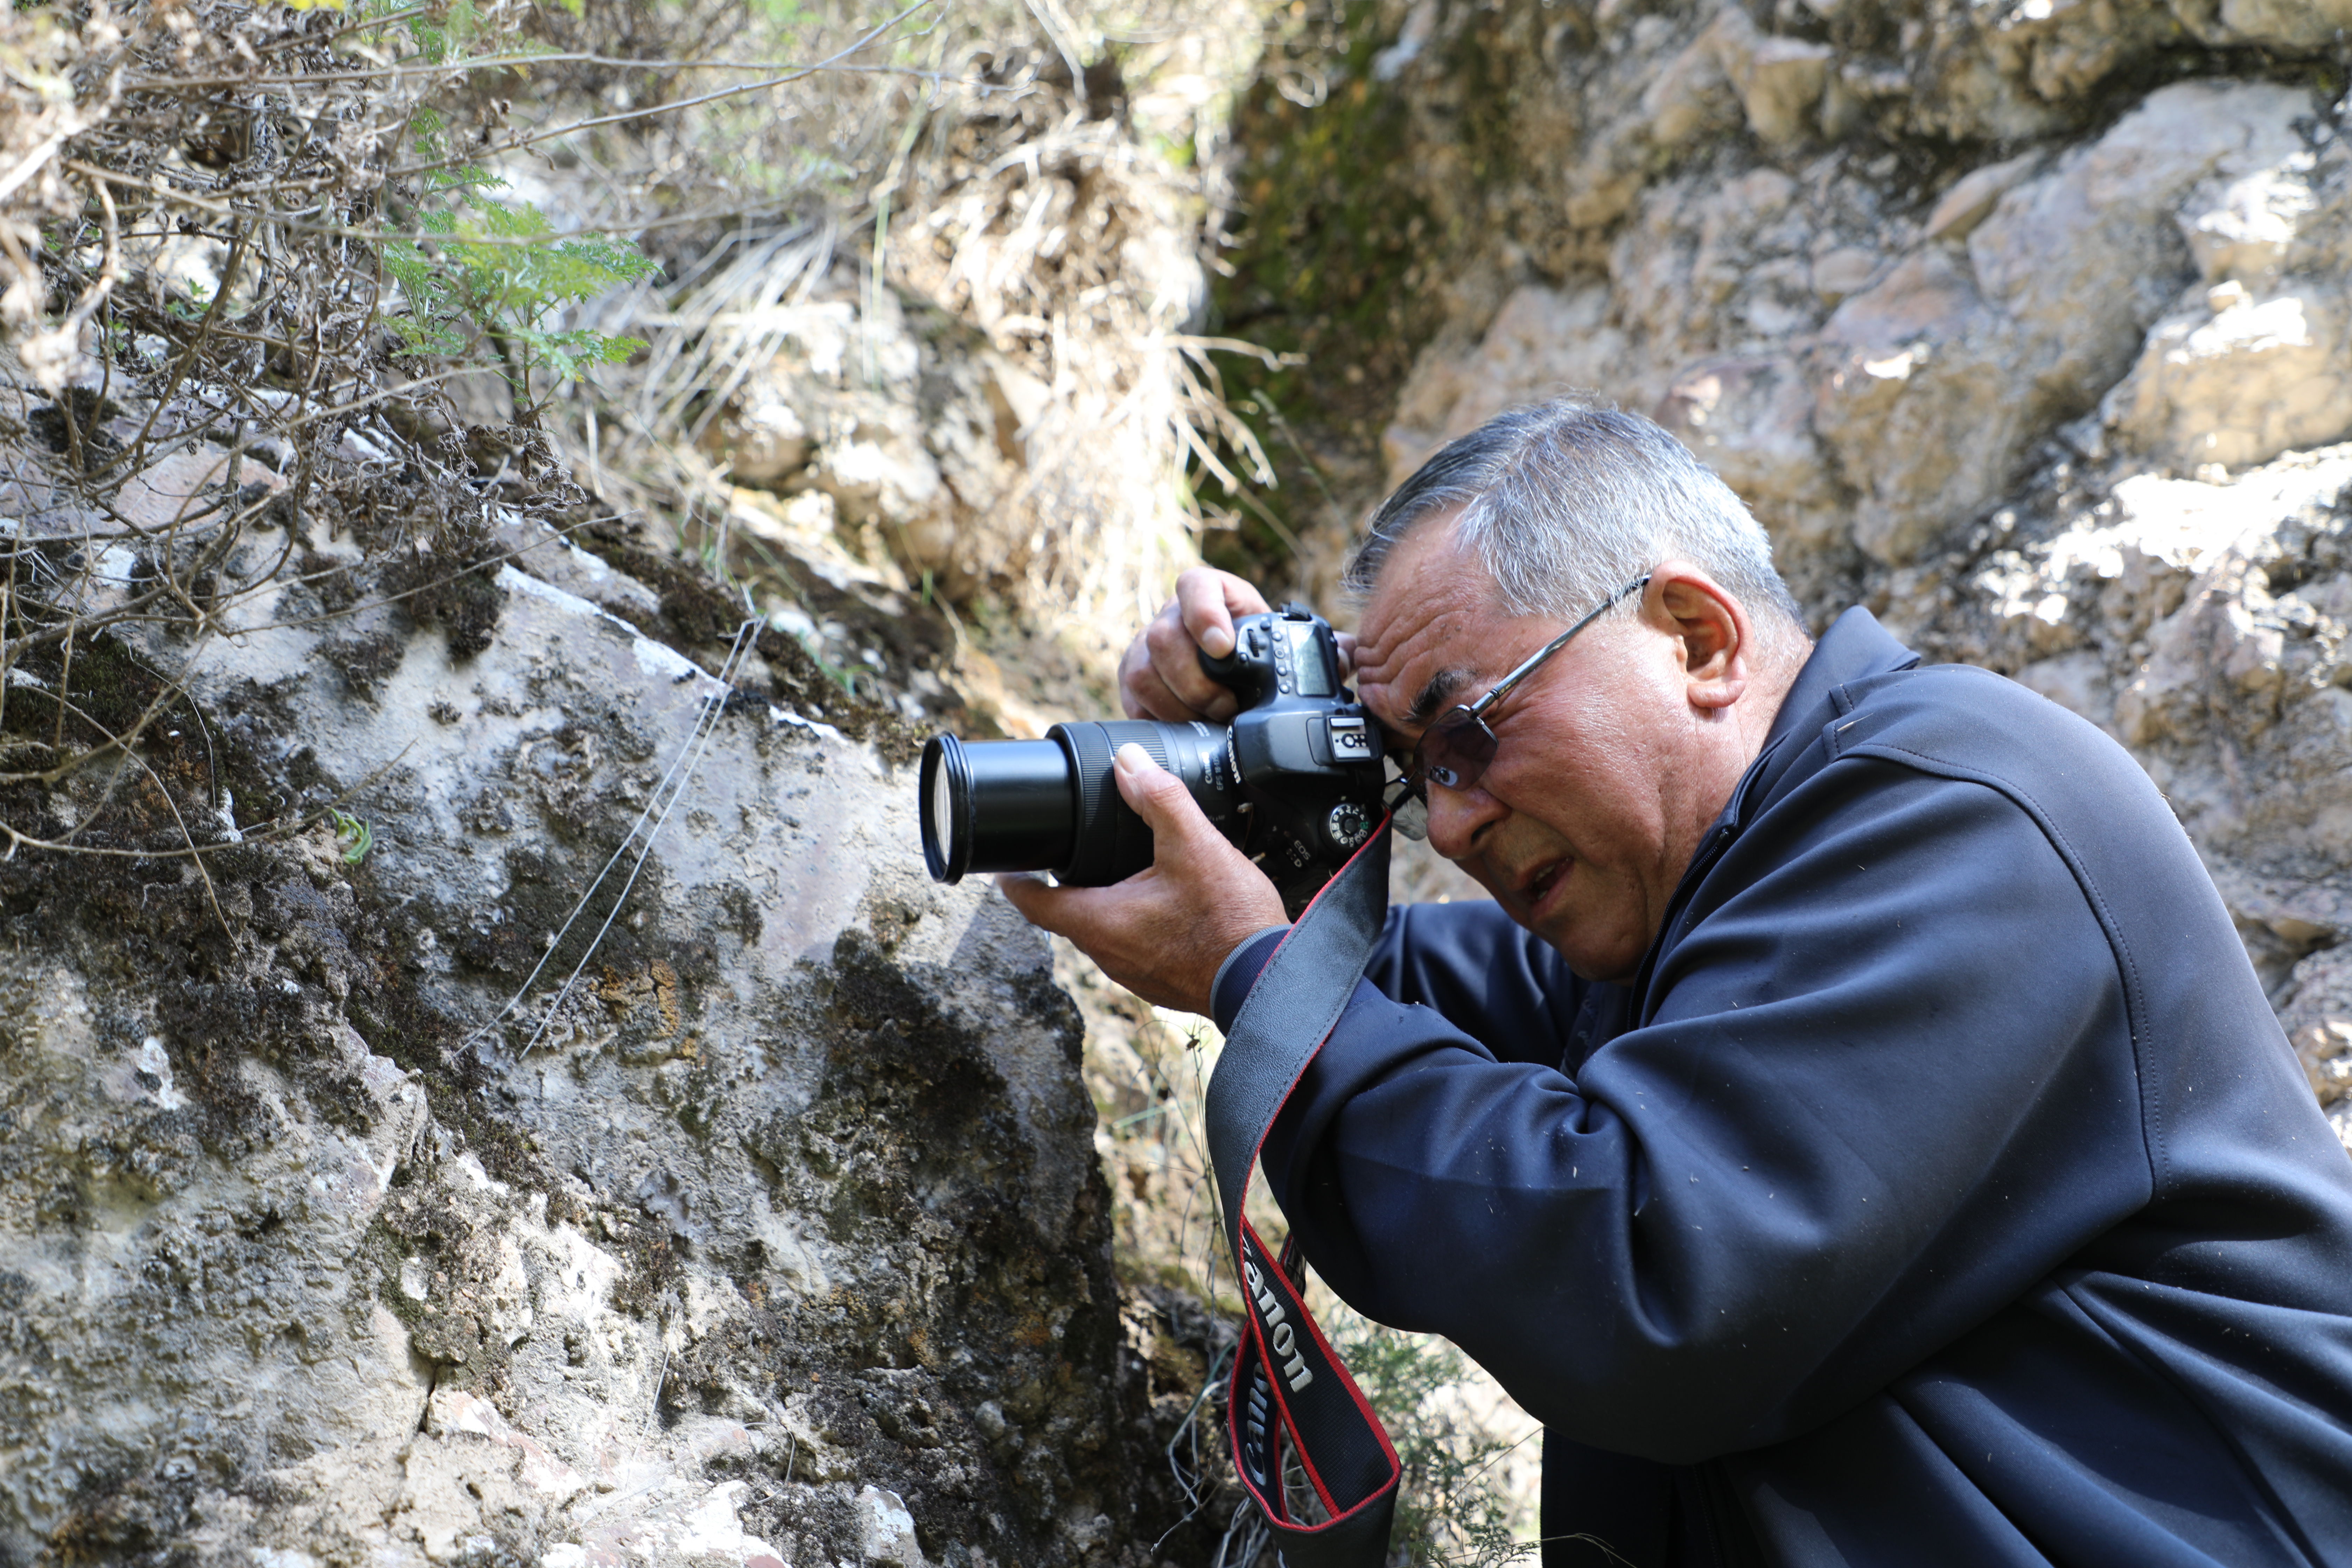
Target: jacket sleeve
[1490,977]
[1882,1083]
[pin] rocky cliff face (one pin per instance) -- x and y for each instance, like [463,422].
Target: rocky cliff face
[764,1227]
[484,1077]
[2025,325]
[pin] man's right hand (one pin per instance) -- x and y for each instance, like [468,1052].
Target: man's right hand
[1161,676]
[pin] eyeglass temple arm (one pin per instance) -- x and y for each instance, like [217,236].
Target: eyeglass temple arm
[1502,688]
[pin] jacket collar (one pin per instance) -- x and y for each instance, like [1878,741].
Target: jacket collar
[1855,648]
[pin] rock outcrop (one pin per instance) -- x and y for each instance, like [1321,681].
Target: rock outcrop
[484,1077]
[601,1141]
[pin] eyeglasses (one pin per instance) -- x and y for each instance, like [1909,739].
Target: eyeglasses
[1458,748]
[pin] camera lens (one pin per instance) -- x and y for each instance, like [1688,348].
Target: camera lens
[995,805]
[1053,805]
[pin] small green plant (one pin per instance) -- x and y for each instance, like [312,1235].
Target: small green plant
[842,675]
[351,838]
[495,271]
[1452,1510]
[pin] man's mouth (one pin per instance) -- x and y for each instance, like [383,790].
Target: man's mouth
[1538,884]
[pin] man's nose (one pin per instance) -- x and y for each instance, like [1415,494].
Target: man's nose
[1457,818]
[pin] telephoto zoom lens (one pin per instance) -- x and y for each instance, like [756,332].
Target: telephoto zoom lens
[1053,805]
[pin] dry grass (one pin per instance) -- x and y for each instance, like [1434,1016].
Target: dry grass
[1040,237]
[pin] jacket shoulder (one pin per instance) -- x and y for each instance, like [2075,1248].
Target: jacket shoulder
[1958,719]
[2196,1010]
[2096,806]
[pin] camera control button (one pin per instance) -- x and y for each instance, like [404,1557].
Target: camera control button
[1351,742]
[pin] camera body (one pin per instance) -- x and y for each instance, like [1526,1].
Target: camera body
[1295,781]
[1307,757]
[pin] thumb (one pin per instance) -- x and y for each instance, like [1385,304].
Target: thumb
[1158,796]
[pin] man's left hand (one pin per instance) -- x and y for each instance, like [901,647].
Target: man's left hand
[1164,931]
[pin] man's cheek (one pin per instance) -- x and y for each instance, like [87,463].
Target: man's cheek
[1477,872]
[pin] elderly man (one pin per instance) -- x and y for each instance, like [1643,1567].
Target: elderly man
[1853,1129]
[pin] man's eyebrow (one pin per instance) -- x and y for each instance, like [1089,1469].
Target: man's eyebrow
[1441,685]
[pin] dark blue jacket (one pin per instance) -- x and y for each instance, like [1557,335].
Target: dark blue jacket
[1942,1191]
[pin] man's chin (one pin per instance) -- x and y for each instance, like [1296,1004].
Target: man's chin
[1614,963]
[1558,927]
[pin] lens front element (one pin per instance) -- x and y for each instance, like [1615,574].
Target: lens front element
[944,798]
[1053,805]
[994,805]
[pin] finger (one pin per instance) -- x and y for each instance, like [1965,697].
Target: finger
[1176,662]
[1208,600]
[1145,695]
[1159,798]
[1347,641]
[1040,902]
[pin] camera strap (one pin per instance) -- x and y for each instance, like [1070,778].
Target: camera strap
[1290,1394]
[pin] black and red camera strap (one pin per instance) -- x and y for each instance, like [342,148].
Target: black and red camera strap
[1290,1394]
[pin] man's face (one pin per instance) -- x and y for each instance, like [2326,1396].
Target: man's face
[1603,782]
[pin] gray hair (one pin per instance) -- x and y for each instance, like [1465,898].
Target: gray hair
[1567,501]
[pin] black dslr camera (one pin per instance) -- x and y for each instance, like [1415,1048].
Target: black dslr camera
[1295,781]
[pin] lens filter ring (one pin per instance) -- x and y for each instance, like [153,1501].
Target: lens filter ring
[945,806]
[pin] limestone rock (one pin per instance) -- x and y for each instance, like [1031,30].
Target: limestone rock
[1944,373]
[2318,1021]
[2242,379]
[2280,23]
[2039,288]
[1779,79]
[887,1531]
[634,1118]
[1970,200]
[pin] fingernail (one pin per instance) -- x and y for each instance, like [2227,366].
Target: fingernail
[1131,758]
[1217,642]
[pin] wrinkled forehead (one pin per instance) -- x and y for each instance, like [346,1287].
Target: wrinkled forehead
[1430,633]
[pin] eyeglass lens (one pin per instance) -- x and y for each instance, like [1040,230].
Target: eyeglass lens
[1455,750]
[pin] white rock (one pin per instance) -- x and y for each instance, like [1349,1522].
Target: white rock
[1848,270]
[1690,96]
[1779,81]
[2242,227]
[2240,386]
[2285,24]
[1972,196]
[886,1529]
[1751,421]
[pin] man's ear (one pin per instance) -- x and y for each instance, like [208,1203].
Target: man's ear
[1715,636]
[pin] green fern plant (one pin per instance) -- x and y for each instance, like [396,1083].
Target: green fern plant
[494,270]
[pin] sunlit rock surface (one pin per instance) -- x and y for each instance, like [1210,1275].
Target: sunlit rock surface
[765,1227]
